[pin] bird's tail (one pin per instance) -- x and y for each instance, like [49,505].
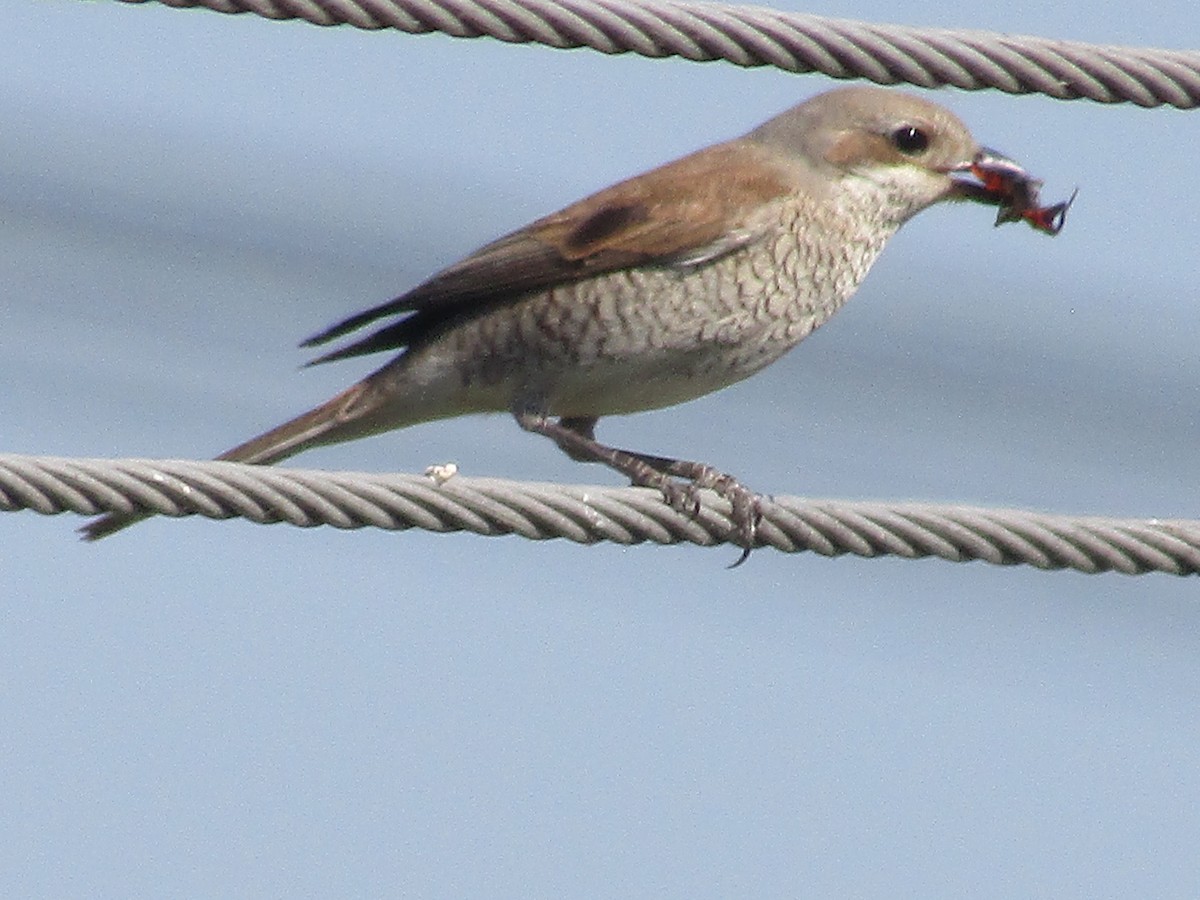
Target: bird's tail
[349,415]
[324,424]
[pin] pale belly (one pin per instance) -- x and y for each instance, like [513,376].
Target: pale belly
[637,340]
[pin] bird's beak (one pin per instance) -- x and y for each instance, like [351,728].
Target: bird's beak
[991,177]
[998,181]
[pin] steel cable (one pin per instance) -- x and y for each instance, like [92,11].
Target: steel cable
[588,514]
[758,36]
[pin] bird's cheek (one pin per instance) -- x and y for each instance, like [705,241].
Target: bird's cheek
[851,150]
[916,189]
[946,188]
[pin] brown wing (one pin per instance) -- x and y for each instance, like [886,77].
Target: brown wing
[685,212]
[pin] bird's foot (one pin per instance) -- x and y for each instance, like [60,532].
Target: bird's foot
[681,496]
[576,437]
[745,504]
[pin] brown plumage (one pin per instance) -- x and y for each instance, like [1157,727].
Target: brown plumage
[654,291]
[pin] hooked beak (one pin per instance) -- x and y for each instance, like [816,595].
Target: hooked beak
[991,178]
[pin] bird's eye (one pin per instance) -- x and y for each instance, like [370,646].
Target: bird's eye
[910,140]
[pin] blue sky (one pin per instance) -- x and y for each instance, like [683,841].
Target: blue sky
[223,709]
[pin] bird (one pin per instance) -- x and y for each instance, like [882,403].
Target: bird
[658,290]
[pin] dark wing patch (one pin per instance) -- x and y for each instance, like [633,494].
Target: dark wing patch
[669,213]
[604,223]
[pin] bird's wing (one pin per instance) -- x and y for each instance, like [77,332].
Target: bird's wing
[685,213]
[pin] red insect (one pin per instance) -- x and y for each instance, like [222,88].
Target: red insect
[1015,191]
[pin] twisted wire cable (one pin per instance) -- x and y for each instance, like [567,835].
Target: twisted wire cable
[757,36]
[588,514]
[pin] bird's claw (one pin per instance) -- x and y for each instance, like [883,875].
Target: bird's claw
[745,504]
[746,513]
[683,498]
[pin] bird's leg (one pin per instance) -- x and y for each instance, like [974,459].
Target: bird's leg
[585,426]
[576,438]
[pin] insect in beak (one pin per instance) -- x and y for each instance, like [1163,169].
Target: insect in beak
[1003,183]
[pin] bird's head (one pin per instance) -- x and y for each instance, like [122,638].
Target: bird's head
[901,154]
[902,148]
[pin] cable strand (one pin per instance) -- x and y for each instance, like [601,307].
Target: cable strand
[590,514]
[795,42]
